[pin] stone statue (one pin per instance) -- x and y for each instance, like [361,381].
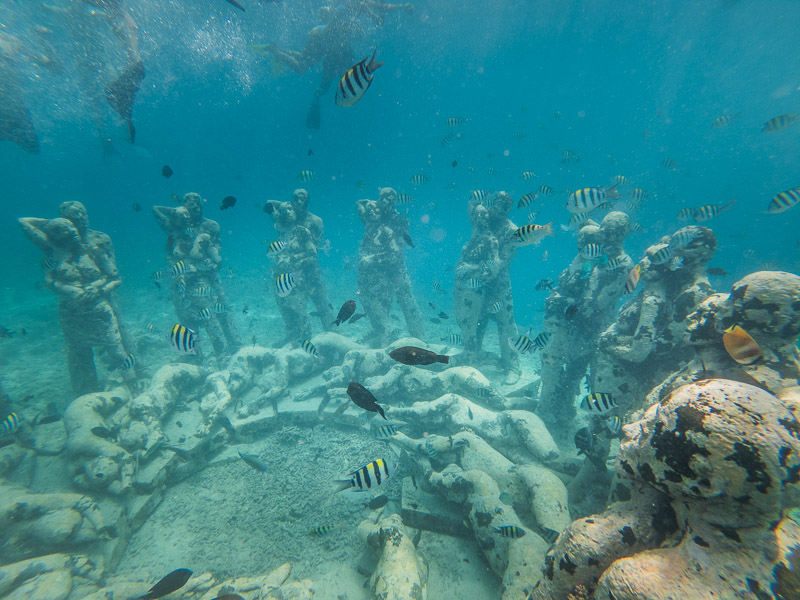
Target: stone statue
[483,279]
[193,255]
[302,232]
[81,268]
[382,273]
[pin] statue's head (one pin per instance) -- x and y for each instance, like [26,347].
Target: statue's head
[194,204]
[63,234]
[76,212]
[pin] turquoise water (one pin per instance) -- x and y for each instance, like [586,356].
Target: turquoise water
[622,85]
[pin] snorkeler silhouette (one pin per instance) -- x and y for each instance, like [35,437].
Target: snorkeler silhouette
[330,43]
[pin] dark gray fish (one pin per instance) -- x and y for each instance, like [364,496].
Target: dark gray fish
[363,398]
[584,441]
[166,171]
[435,320]
[228,202]
[122,92]
[229,597]
[253,461]
[46,420]
[571,312]
[378,502]
[356,317]
[411,355]
[408,240]
[443,315]
[101,432]
[174,581]
[347,310]
[136,207]
[236,4]
[469,413]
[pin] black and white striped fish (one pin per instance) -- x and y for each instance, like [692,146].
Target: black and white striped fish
[309,348]
[368,477]
[592,251]
[784,201]
[306,175]
[522,343]
[510,531]
[585,200]
[404,199]
[355,82]
[285,283]
[179,268]
[203,291]
[419,178]
[183,339]
[599,403]
[129,362]
[479,195]
[708,212]
[526,200]
[10,424]
[204,313]
[275,247]
[661,256]
[528,175]
[384,432]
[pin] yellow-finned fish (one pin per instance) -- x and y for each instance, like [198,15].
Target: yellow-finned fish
[179,268]
[633,279]
[285,283]
[784,201]
[368,477]
[709,211]
[723,121]
[526,200]
[182,339]
[742,348]
[275,247]
[585,200]
[10,424]
[780,122]
[306,175]
[532,233]
[355,82]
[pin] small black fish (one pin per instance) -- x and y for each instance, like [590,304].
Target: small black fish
[469,413]
[229,597]
[357,317]
[46,420]
[101,432]
[166,171]
[571,312]
[310,152]
[545,284]
[228,202]
[363,398]
[584,440]
[443,315]
[408,240]
[717,272]
[137,207]
[269,208]
[454,164]
[174,581]
[432,305]
[411,355]
[377,502]
[435,320]
[236,4]
[254,461]
[347,310]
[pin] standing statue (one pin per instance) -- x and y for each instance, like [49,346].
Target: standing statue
[193,254]
[296,252]
[576,312]
[81,268]
[382,273]
[482,290]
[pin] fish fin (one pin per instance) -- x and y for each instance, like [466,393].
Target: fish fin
[444,359]
[380,412]
[373,64]
[344,484]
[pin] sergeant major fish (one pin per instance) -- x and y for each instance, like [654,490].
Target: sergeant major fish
[585,200]
[355,82]
[182,339]
[532,234]
[368,477]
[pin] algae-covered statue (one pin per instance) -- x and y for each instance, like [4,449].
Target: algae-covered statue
[382,272]
[576,312]
[482,290]
[81,268]
[296,251]
[193,254]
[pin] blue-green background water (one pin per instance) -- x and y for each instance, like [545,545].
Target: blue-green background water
[634,83]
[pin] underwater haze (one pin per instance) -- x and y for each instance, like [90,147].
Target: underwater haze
[412,300]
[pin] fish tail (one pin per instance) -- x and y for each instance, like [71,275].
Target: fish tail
[728,204]
[612,192]
[380,412]
[337,322]
[443,359]
[373,64]
[549,228]
[344,484]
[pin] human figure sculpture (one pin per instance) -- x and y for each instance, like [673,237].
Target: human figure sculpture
[577,311]
[302,232]
[382,273]
[81,269]
[193,255]
[483,279]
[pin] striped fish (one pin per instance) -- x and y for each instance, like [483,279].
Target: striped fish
[189,232]
[356,81]
[447,140]
[741,346]
[528,175]
[532,233]
[615,263]
[780,122]
[430,450]
[591,251]
[682,237]
[723,121]
[204,314]
[519,135]
[306,175]
[437,287]
[509,531]
[275,247]
[541,340]
[662,255]
[10,424]
[577,220]
[568,156]
[157,276]
[526,200]
[284,284]
[418,178]
[479,195]
[454,339]
[368,477]
[455,121]
[614,424]
[546,190]
[491,171]
[309,348]
[179,268]
[633,279]
[585,200]
[670,163]
[784,201]
[203,291]
[708,212]
[181,287]
[599,403]
[219,307]
[532,217]
[639,194]
[384,432]
[522,343]
[129,362]
[49,263]
[182,339]
[473,283]
[495,307]
[322,530]
[620,180]
[404,199]
[685,214]
[150,328]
